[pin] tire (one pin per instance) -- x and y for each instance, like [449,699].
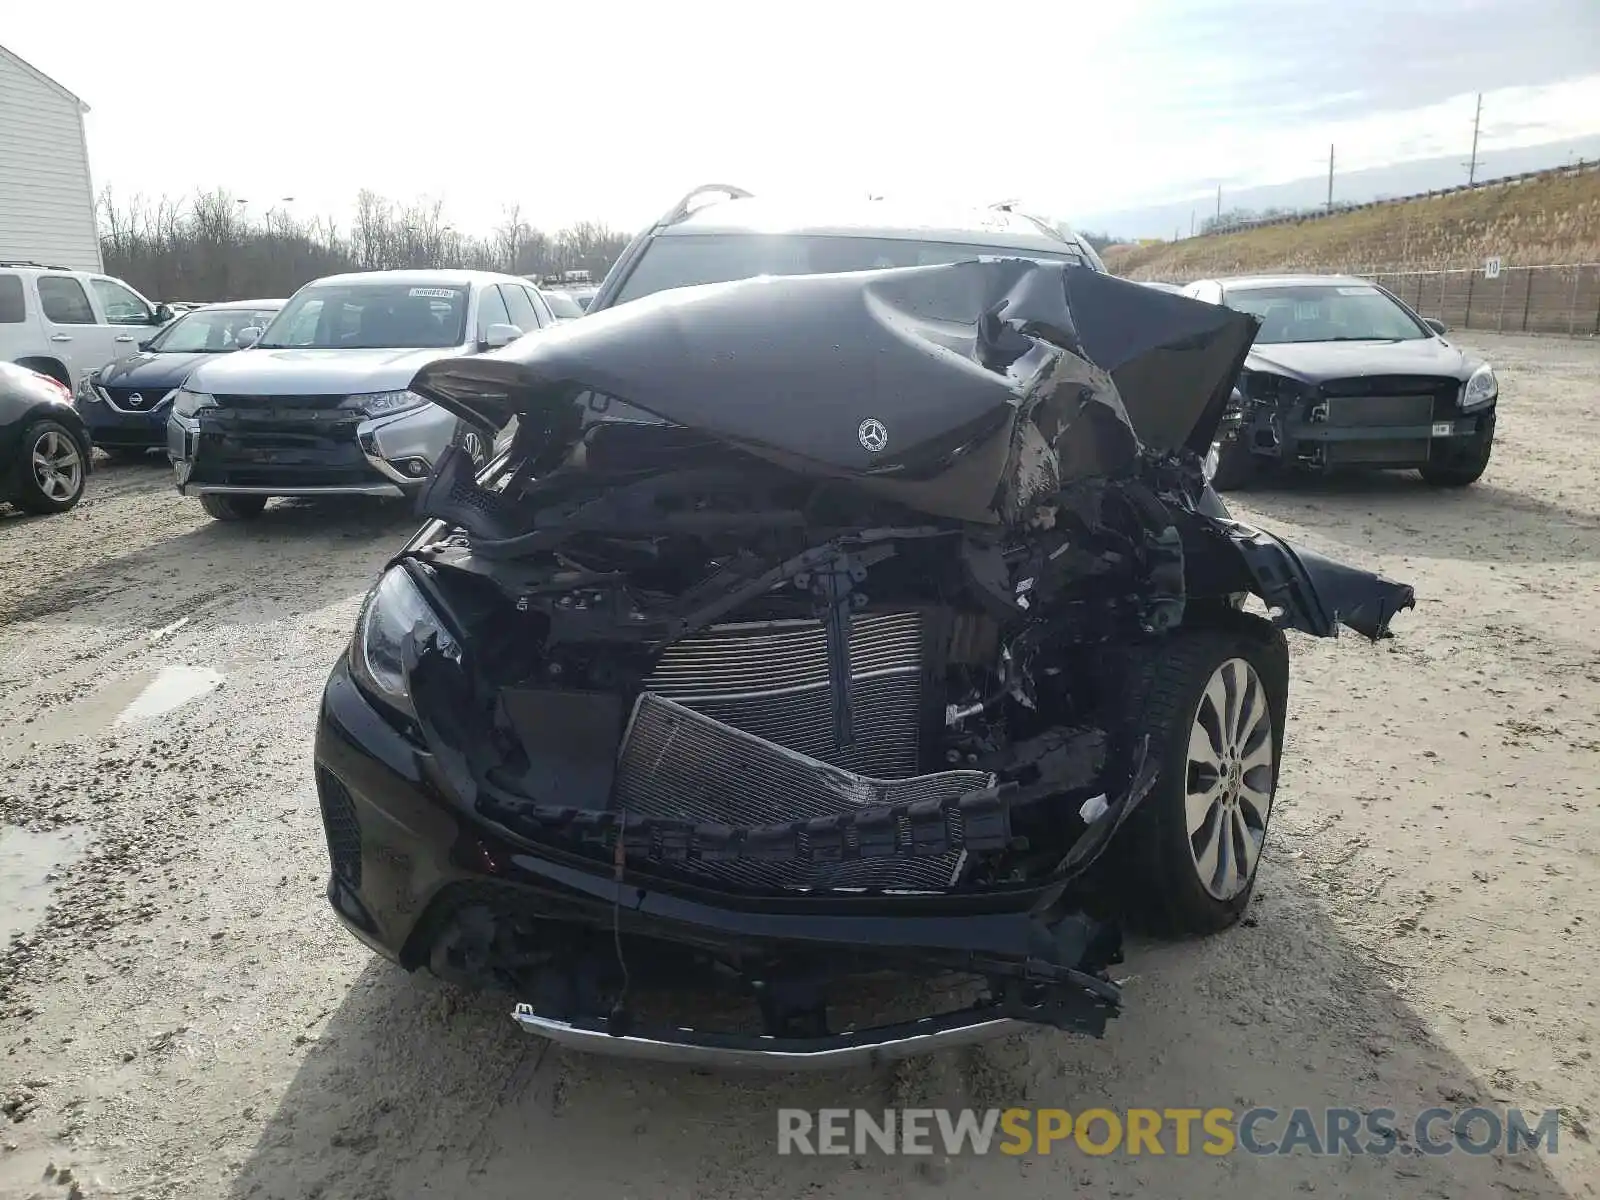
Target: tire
[52,468]
[1463,471]
[1237,466]
[233,508]
[1164,877]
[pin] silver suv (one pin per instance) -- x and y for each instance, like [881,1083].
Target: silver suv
[319,403]
[732,234]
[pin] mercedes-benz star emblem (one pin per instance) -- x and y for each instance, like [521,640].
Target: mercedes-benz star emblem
[873,435]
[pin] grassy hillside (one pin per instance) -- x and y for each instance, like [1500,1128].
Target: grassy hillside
[1552,219]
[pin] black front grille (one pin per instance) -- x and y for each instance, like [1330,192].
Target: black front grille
[1378,400]
[342,829]
[1409,452]
[280,445]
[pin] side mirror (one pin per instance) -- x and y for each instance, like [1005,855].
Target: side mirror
[1436,325]
[500,335]
[145,343]
[247,337]
[163,314]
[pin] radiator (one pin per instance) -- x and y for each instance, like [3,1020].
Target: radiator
[681,764]
[771,679]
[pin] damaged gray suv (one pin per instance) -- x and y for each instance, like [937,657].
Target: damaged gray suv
[858,647]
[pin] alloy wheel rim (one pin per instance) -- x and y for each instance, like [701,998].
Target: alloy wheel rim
[57,465]
[1228,794]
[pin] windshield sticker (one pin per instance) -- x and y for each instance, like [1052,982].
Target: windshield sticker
[1355,291]
[436,293]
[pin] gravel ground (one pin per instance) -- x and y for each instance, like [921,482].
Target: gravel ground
[186,1020]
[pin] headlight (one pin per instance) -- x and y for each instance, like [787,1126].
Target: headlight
[1481,388]
[393,609]
[1209,467]
[86,393]
[382,404]
[186,403]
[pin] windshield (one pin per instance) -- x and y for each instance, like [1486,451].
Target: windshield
[563,305]
[367,316]
[682,260]
[1344,312]
[208,330]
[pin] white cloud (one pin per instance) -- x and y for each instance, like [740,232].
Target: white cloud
[611,110]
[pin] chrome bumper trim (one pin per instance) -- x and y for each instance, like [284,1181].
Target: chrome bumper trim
[687,1046]
[364,489]
[383,468]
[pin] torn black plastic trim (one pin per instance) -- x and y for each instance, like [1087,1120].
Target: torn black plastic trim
[1314,594]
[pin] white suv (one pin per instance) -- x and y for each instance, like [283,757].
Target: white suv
[65,323]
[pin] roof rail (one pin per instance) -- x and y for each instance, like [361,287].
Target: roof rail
[22,262]
[680,210]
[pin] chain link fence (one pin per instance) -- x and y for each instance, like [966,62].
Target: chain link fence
[1562,300]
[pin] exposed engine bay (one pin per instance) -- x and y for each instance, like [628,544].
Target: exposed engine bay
[845,586]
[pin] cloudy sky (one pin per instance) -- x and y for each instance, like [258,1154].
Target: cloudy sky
[609,110]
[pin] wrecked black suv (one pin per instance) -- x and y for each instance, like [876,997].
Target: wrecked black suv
[809,631]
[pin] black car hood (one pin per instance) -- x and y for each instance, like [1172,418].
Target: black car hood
[158,372]
[958,387]
[1317,362]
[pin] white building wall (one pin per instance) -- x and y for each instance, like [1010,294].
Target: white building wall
[47,207]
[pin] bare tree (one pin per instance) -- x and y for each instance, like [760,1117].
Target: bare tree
[207,248]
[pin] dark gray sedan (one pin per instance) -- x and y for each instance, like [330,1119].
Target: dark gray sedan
[1343,374]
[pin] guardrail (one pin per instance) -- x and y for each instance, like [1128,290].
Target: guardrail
[1562,299]
[1339,209]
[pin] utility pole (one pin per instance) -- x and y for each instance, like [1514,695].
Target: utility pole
[1330,178]
[1472,167]
[1219,203]
[1191,222]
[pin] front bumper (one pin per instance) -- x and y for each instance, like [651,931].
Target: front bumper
[124,430]
[1290,435]
[415,872]
[387,456]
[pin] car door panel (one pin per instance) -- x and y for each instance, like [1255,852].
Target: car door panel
[130,316]
[69,321]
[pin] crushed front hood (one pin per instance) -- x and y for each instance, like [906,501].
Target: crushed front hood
[957,389]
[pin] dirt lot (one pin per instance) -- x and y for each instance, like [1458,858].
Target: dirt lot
[186,1020]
